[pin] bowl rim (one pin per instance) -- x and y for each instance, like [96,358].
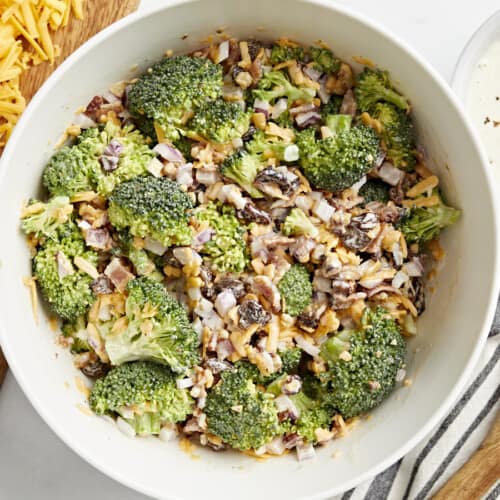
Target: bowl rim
[468,57]
[22,376]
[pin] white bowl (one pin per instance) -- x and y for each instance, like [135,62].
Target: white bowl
[452,331]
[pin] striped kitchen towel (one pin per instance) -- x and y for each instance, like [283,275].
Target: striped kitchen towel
[422,472]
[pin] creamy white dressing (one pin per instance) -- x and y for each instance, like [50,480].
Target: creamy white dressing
[483,103]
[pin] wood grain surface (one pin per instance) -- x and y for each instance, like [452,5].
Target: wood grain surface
[479,474]
[98,14]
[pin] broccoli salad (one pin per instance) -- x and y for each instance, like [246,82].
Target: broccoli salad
[235,244]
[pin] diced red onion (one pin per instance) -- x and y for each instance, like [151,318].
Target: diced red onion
[64,265]
[306,346]
[207,177]
[276,446]
[232,194]
[284,403]
[312,73]
[397,254]
[114,148]
[204,308]
[167,433]
[390,174]
[414,268]
[262,106]
[155,167]
[203,237]
[291,441]
[323,94]
[224,349]
[400,278]
[110,97]
[109,163]
[118,274]
[83,121]
[169,153]
[98,238]
[83,224]
[323,210]
[184,383]
[223,52]
[305,451]
[185,175]
[291,153]
[154,246]
[213,321]
[308,118]
[304,108]
[224,302]
[279,108]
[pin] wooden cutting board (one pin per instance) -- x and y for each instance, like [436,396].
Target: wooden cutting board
[98,14]
[475,477]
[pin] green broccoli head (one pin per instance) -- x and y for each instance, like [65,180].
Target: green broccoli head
[226,250]
[398,135]
[295,289]
[144,394]
[338,123]
[154,207]
[76,330]
[375,190]
[240,414]
[158,329]
[219,121]
[143,264]
[324,60]
[101,158]
[171,89]
[375,85]
[332,107]
[283,53]
[242,168]
[290,359]
[262,146]
[64,286]
[338,162]
[276,84]
[359,381]
[298,223]
[423,224]
[43,219]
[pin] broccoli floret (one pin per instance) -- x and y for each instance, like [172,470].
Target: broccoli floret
[226,250]
[298,223]
[157,329]
[264,146]
[338,123]
[140,259]
[275,84]
[332,107]
[240,414]
[242,168]
[290,359]
[43,219]
[295,289]
[219,121]
[324,60]
[374,86]
[375,190]
[283,53]
[154,207]
[76,330]
[144,394]
[423,224]
[398,135]
[172,89]
[101,158]
[184,145]
[359,382]
[64,286]
[336,163]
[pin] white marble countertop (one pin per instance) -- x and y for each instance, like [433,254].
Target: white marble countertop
[34,463]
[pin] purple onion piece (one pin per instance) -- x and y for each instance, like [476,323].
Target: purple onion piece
[109,163]
[312,73]
[169,153]
[265,112]
[309,118]
[114,148]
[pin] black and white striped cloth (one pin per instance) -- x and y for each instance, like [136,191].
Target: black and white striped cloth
[422,472]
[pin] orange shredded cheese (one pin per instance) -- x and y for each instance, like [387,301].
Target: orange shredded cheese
[26,28]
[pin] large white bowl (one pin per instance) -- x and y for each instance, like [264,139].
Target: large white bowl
[451,332]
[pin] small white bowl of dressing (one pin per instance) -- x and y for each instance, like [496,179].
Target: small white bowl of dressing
[476,81]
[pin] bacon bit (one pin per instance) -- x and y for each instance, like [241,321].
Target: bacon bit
[86,267]
[436,250]
[286,134]
[430,201]
[422,170]
[118,274]
[423,186]
[30,282]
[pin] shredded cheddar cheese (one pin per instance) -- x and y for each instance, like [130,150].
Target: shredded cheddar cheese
[25,40]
